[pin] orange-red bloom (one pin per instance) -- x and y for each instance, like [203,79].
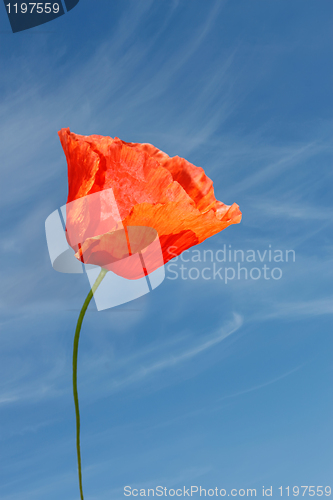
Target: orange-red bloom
[151,190]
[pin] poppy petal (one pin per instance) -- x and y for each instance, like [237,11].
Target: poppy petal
[150,189]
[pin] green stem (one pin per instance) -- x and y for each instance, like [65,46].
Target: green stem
[75,351]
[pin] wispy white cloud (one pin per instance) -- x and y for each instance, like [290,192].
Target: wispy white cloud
[301,308]
[40,489]
[260,386]
[165,357]
[25,381]
[277,167]
[291,210]
[131,370]
[200,412]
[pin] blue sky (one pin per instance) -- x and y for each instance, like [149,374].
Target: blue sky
[199,382]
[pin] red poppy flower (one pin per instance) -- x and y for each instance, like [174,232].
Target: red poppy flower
[156,197]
